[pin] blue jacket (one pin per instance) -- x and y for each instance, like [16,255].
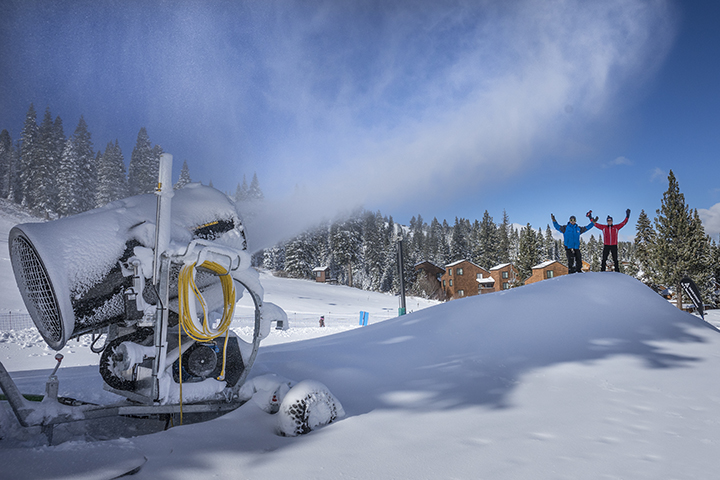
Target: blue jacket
[572,233]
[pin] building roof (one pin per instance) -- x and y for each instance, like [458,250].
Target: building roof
[429,263]
[486,280]
[320,269]
[463,261]
[498,267]
[545,264]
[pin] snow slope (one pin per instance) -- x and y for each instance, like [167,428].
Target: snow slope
[582,376]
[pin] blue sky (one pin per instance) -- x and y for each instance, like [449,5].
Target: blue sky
[438,108]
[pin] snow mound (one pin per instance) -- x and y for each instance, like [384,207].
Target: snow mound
[477,350]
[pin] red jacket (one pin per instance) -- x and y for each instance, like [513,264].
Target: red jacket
[610,232]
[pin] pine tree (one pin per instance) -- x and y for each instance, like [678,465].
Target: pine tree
[373,250]
[548,252]
[112,184]
[184,176]
[486,252]
[459,247]
[28,160]
[594,256]
[345,244]
[674,253]
[44,172]
[299,254]
[645,249]
[700,250]
[241,193]
[528,254]
[504,239]
[16,189]
[514,244]
[68,187]
[254,192]
[7,161]
[86,167]
[144,165]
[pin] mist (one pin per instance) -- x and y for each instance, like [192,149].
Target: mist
[408,105]
[380,104]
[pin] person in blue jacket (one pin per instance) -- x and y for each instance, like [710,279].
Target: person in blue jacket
[571,238]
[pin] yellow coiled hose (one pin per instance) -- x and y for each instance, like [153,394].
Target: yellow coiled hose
[202,331]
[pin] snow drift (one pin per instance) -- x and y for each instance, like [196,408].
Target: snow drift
[550,380]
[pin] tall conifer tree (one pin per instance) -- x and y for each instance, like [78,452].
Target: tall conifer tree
[112,184]
[86,172]
[144,165]
[7,167]
[184,176]
[28,160]
[674,254]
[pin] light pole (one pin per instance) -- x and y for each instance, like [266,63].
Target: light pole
[401,270]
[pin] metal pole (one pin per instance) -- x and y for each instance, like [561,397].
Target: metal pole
[161,268]
[401,271]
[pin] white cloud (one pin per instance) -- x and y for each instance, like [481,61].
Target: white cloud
[711,220]
[620,161]
[658,174]
[419,117]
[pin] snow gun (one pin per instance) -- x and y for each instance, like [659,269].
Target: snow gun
[153,279]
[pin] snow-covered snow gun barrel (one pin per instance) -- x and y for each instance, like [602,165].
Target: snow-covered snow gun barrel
[153,278]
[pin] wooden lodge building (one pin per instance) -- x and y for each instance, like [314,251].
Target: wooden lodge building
[464,279]
[546,270]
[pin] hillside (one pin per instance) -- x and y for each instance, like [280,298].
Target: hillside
[545,381]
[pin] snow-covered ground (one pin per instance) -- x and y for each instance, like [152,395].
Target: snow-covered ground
[583,376]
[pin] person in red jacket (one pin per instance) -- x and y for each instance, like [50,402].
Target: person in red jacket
[610,236]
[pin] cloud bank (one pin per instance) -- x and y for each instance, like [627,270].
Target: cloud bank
[409,102]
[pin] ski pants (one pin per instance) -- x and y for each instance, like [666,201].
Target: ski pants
[574,259]
[607,249]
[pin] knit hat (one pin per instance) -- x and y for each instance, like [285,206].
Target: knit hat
[609,218]
[572,217]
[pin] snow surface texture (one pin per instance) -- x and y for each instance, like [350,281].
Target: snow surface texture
[583,376]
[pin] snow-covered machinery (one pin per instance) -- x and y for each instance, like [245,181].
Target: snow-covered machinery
[153,278]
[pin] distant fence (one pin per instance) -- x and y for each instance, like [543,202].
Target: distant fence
[303,319]
[15,321]
[19,321]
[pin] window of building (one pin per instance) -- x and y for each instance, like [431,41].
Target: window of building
[505,274]
[451,282]
[506,286]
[443,283]
[461,293]
[450,272]
[549,274]
[478,276]
[318,274]
[459,271]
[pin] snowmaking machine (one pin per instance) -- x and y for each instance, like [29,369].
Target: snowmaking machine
[154,279]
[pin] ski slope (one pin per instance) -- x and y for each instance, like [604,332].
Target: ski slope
[583,376]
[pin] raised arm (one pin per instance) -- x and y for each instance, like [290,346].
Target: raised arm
[627,217]
[557,226]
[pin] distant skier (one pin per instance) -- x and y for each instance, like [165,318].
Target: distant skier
[322,320]
[571,239]
[610,237]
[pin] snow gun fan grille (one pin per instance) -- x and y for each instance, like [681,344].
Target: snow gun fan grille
[37,290]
